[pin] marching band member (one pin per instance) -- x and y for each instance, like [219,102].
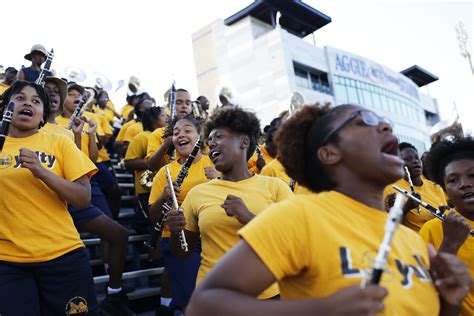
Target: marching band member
[181,273]
[96,218]
[430,192]
[314,245]
[10,78]
[57,92]
[216,210]
[451,165]
[44,267]
[153,118]
[37,56]
[267,152]
[158,145]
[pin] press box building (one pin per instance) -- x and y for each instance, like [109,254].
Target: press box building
[264,61]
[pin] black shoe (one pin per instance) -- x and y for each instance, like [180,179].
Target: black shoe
[164,311]
[117,305]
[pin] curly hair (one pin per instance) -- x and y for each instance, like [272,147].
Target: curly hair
[238,121]
[17,87]
[151,115]
[444,152]
[299,139]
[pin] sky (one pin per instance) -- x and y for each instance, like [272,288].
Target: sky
[152,39]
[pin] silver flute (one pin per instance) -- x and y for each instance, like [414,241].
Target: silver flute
[181,235]
[393,220]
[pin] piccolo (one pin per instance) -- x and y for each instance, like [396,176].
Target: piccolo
[5,124]
[433,210]
[412,187]
[181,236]
[393,220]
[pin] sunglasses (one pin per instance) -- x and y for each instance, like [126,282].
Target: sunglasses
[369,118]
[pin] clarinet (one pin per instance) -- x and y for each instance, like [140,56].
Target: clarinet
[158,229]
[393,220]
[5,125]
[412,187]
[172,113]
[47,66]
[433,210]
[77,112]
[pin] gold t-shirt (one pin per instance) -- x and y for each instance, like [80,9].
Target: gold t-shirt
[204,215]
[195,176]
[432,233]
[35,225]
[430,192]
[318,244]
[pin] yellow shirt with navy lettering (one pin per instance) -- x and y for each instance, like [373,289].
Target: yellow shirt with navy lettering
[252,163]
[316,245]
[195,176]
[275,169]
[123,130]
[133,131]
[432,233]
[126,110]
[204,215]
[63,121]
[137,150]
[57,129]
[430,192]
[35,225]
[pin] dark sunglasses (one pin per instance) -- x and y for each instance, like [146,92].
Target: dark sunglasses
[369,118]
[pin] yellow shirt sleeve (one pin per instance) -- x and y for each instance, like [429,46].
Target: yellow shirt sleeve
[133,131]
[155,140]
[277,242]
[190,213]
[123,130]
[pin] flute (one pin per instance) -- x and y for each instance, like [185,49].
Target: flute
[433,210]
[393,220]
[181,236]
[47,66]
[412,187]
[158,228]
[5,124]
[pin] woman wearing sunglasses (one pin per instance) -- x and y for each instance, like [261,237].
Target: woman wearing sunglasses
[318,247]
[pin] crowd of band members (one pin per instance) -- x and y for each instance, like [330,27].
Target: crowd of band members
[279,221]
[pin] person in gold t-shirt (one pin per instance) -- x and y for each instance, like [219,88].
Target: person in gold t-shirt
[181,273]
[10,77]
[57,92]
[216,210]
[153,118]
[265,153]
[43,263]
[451,165]
[318,247]
[415,216]
[160,146]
